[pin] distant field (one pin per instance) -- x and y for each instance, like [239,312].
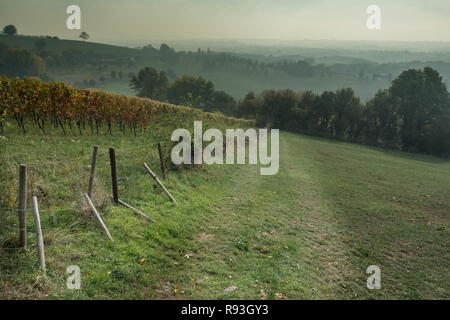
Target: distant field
[117,86]
[235,81]
[309,232]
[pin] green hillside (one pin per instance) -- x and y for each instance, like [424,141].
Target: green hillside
[60,45]
[308,232]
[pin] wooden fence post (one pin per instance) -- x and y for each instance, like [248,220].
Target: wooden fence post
[126,205]
[39,237]
[112,159]
[158,182]
[23,205]
[97,216]
[161,161]
[93,164]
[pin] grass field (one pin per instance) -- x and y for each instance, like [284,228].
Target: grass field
[308,232]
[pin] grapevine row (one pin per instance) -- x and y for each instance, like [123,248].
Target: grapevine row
[59,105]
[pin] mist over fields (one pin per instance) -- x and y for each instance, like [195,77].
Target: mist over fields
[331,37]
[239,66]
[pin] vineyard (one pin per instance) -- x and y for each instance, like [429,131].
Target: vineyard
[61,106]
[54,110]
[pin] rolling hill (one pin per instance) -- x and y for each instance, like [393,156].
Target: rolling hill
[77,62]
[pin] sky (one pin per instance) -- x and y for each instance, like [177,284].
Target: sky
[116,21]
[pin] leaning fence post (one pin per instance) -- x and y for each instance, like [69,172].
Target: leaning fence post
[112,160]
[97,216]
[39,238]
[161,161]
[23,205]
[93,164]
[158,182]
[126,205]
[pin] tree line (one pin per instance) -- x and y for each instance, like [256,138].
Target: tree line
[210,61]
[185,90]
[412,115]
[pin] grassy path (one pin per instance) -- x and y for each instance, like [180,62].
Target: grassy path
[309,232]
[312,230]
[265,236]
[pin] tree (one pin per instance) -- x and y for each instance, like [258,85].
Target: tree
[436,135]
[277,106]
[221,101]
[84,36]
[249,107]
[168,54]
[21,62]
[165,49]
[354,122]
[345,102]
[191,91]
[421,101]
[298,69]
[381,121]
[150,84]
[307,117]
[324,109]
[10,30]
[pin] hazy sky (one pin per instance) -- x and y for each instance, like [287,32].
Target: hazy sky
[118,20]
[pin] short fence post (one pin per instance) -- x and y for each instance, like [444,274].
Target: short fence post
[93,164]
[39,238]
[161,161]
[112,159]
[23,205]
